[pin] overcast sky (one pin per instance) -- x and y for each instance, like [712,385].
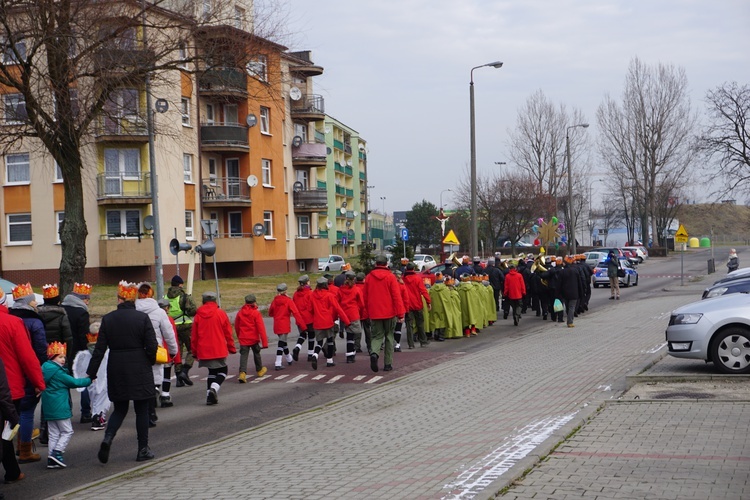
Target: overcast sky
[398,71]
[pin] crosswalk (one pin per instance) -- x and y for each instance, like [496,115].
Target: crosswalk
[306,378]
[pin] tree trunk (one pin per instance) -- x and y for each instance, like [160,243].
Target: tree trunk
[73,232]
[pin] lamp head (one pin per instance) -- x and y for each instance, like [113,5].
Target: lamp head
[496,64]
[585,125]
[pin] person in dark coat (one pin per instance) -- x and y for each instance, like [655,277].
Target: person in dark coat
[496,278]
[76,305]
[8,411]
[571,287]
[131,340]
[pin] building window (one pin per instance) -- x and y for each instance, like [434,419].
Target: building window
[265,120]
[9,54]
[231,114]
[17,169]
[59,217]
[239,17]
[15,108]
[182,55]
[303,178]
[58,173]
[235,224]
[210,114]
[303,226]
[187,166]
[268,223]
[206,9]
[266,171]
[189,223]
[300,129]
[212,171]
[125,223]
[19,229]
[258,67]
[122,163]
[185,110]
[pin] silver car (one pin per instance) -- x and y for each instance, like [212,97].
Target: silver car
[716,330]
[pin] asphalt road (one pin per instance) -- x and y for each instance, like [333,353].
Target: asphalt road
[296,389]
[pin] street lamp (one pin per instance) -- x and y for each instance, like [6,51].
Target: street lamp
[441,196]
[474,226]
[571,223]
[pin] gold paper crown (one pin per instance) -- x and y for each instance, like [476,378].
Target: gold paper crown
[127,291]
[50,291]
[22,291]
[92,337]
[56,348]
[82,288]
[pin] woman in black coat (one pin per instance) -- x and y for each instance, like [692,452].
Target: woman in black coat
[131,340]
[571,288]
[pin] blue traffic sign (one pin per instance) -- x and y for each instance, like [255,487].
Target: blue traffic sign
[343,240]
[404,234]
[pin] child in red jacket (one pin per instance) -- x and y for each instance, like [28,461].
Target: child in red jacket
[282,308]
[251,332]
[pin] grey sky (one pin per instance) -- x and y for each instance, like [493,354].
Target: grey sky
[398,71]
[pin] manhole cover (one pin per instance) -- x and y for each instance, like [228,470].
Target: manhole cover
[682,395]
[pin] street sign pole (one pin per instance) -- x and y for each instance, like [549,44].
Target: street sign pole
[681,236]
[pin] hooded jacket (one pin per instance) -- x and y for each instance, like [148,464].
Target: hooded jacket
[21,363]
[281,310]
[383,295]
[302,299]
[352,301]
[35,326]
[160,321]
[515,287]
[56,398]
[249,326]
[56,324]
[326,309]
[416,290]
[212,333]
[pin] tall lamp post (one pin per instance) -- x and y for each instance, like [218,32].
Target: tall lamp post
[571,223]
[441,197]
[382,198]
[474,225]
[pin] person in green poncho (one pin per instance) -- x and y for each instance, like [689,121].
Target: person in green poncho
[471,313]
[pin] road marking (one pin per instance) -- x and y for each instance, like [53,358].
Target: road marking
[373,379]
[334,379]
[281,377]
[261,379]
[360,377]
[318,377]
[476,477]
[656,348]
[295,379]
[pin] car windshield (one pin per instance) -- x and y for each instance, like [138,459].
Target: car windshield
[419,257]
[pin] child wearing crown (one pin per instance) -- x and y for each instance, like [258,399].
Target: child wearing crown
[56,403]
[98,389]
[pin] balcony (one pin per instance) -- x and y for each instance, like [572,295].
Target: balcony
[225,192]
[117,60]
[234,249]
[312,247]
[223,82]
[123,188]
[223,136]
[309,154]
[311,199]
[307,71]
[320,137]
[123,252]
[131,128]
[309,107]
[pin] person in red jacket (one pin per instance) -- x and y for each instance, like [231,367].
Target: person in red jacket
[21,367]
[211,342]
[417,290]
[364,320]
[384,305]
[325,311]
[353,304]
[251,332]
[282,308]
[302,298]
[514,289]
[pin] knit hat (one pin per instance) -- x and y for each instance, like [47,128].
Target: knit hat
[250,298]
[350,275]
[381,260]
[360,277]
[177,280]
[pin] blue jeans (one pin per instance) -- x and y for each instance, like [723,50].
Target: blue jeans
[26,417]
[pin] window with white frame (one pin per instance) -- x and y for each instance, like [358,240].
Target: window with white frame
[182,55]
[231,114]
[268,223]
[265,120]
[19,229]
[258,67]
[187,166]
[303,226]
[185,110]
[58,173]
[15,108]
[125,163]
[59,217]
[125,223]
[265,168]
[209,114]
[17,169]
[212,171]
[300,129]
[189,225]
[239,17]
[302,176]
[235,224]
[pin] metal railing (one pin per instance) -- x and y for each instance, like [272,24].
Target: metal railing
[129,125]
[309,104]
[225,189]
[224,134]
[311,198]
[223,79]
[123,185]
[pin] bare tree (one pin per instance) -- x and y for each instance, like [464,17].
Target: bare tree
[648,137]
[70,65]
[727,137]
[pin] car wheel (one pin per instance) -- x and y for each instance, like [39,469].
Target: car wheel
[596,285]
[627,282]
[328,268]
[730,350]
[640,260]
[636,281]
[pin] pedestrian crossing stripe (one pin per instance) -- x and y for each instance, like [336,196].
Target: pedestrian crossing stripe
[281,377]
[360,377]
[295,379]
[317,378]
[373,379]
[334,379]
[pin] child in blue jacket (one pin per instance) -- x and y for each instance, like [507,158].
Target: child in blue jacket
[56,403]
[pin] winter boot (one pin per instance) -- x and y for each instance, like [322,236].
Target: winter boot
[185,375]
[103,454]
[26,454]
[242,379]
[44,436]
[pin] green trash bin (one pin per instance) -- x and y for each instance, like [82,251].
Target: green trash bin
[705,243]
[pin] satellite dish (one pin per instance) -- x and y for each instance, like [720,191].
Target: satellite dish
[342,210]
[361,147]
[252,181]
[343,204]
[348,223]
[251,120]
[329,224]
[349,163]
[351,233]
[297,141]
[355,213]
[328,130]
[259,229]
[295,94]
[297,187]
[329,151]
[148,222]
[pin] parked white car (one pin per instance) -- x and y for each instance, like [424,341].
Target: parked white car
[424,261]
[330,263]
[640,252]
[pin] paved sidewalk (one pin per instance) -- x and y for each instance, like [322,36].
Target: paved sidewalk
[467,427]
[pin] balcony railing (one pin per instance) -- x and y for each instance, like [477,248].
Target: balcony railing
[224,134]
[225,190]
[309,153]
[223,80]
[320,137]
[118,126]
[119,186]
[309,105]
[311,198]
[119,60]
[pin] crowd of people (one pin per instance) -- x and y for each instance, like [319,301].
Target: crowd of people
[129,355]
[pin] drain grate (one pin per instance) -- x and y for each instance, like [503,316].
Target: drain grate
[682,395]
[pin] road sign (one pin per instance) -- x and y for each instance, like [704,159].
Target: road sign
[450,238]
[404,234]
[681,236]
[343,240]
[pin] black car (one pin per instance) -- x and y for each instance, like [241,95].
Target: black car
[735,275]
[740,285]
